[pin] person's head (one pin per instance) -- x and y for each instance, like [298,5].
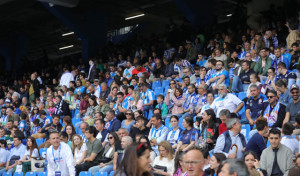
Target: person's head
[63,136]
[294,89]
[274,137]
[209,118]
[287,128]
[186,80]
[165,150]
[110,115]
[31,143]
[277,52]
[93,100]
[295,46]
[191,88]
[254,91]
[9,111]
[2,132]
[263,53]
[178,161]
[246,65]
[3,143]
[174,121]
[102,101]
[113,139]
[187,71]
[254,78]
[234,125]
[55,119]
[281,68]
[156,120]
[99,124]
[160,98]
[216,161]
[9,124]
[194,161]
[298,161]
[222,90]
[187,122]
[17,140]
[249,158]
[129,114]
[90,133]
[202,89]
[272,97]
[70,130]
[136,160]
[178,92]
[126,141]
[120,97]
[143,87]
[234,167]
[210,97]
[231,62]
[262,126]
[219,65]
[54,139]
[122,132]
[281,85]
[83,126]
[58,98]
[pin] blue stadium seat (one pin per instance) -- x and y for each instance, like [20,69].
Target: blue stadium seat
[42,174]
[43,152]
[150,114]
[18,174]
[111,173]
[165,83]
[242,95]
[7,174]
[168,124]
[85,173]
[39,141]
[246,130]
[156,84]
[30,174]
[180,124]
[158,91]
[101,174]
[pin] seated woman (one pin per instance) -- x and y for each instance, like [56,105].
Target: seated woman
[254,79]
[79,149]
[103,106]
[209,131]
[106,165]
[129,121]
[31,152]
[90,112]
[269,81]
[252,163]
[164,164]
[215,163]
[179,168]
[176,99]
[173,135]
[188,137]
[70,130]
[144,139]
[136,103]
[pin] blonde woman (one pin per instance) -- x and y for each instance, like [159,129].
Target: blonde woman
[79,149]
[164,164]
[136,103]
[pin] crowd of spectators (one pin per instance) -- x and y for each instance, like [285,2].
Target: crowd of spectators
[171,98]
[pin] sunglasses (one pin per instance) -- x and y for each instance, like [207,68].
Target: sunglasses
[109,137]
[295,92]
[270,97]
[128,113]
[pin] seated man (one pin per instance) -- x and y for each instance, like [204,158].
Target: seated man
[274,111]
[221,76]
[118,156]
[230,137]
[3,153]
[293,108]
[113,124]
[254,106]
[226,101]
[139,127]
[257,143]
[188,104]
[158,132]
[102,132]
[16,154]
[147,96]
[121,106]
[289,76]
[94,151]
[61,107]
[240,83]
[277,159]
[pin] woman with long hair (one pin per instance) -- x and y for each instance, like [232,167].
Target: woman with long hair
[252,163]
[174,101]
[67,121]
[173,135]
[188,137]
[164,163]
[145,139]
[31,152]
[215,163]
[79,149]
[103,106]
[136,103]
[70,130]
[209,131]
[34,114]
[106,164]
[179,168]
[90,112]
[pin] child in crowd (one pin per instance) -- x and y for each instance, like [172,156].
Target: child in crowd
[162,105]
[288,140]
[76,103]
[22,124]
[36,126]
[112,104]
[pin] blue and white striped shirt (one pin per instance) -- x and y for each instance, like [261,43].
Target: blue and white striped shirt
[124,104]
[147,96]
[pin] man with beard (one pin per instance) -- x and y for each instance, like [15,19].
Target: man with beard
[221,76]
[226,101]
[294,107]
[128,71]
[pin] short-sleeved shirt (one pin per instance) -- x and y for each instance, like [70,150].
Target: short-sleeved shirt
[288,75]
[173,136]
[293,109]
[79,89]
[230,102]
[78,154]
[34,154]
[95,147]
[4,155]
[188,136]
[147,96]
[219,73]
[256,106]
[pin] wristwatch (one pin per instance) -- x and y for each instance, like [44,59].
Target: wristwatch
[258,169]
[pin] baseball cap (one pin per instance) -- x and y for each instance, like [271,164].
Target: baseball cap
[294,86]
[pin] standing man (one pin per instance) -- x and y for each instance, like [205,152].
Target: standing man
[66,78]
[92,71]
[60,158]
[277,159]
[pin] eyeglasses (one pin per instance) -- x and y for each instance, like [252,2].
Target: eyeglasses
[128,113]
[192,162]
[295,92]
[109,137]
[269,97]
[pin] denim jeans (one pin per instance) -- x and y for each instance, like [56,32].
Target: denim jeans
[2,171]
[238,86]
[183,115]
[107,168]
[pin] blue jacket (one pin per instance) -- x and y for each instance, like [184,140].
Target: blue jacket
[228,141]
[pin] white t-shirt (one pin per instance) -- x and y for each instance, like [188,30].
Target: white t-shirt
[35,153]
[164,162]
[291,143]
[230,102]
[78,154]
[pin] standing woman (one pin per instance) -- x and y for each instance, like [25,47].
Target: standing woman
[173,135]
[136,161]
[215,163]
[129,121]
[31,152]
[209,131]
[189,136]
[79,149]
[164,164]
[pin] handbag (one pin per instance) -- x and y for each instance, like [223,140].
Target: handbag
[37,165]
[161,168]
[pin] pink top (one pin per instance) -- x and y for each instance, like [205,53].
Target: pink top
[177,108]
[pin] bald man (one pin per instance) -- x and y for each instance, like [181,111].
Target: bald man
[194,162]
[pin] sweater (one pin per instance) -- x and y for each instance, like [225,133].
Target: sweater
[284,159]
[258,69]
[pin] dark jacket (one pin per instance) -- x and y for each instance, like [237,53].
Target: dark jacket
[104,133]
[169,70]
[47,132]
[115,125]
[93,74]
[64,109]
[35,83]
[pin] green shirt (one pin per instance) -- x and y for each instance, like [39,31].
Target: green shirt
[95,147]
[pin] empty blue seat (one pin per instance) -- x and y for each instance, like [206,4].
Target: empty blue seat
[30,174]
[7,174]
[39,141]
[158,91]
[165,83]
[242,95]
[85,173]
[168,124]
[156,84]
[18,174]
[246,130]
[42,174]
[43,152]
[101,174]
[180,124]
